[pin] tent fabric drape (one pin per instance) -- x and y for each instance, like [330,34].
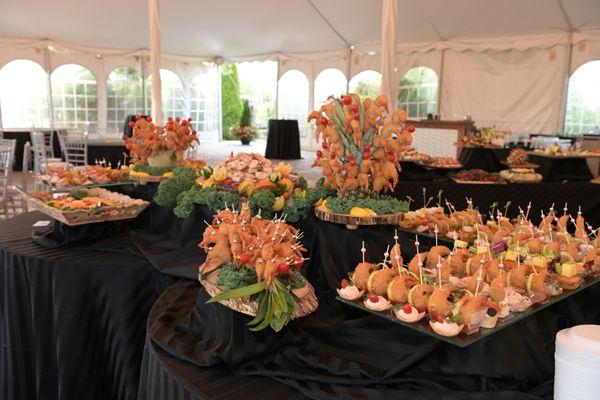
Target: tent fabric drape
[388,53]
[519,91]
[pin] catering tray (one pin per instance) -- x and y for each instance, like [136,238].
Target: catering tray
[463,340]
[92,185]
[442,240]
[498,181]
[433,167]
[524,165]
[75,217]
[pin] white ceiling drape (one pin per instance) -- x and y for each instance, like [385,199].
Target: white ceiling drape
[388,50]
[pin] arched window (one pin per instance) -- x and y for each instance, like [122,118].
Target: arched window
[293,98]
[330,82]
[366,84]
[172,94]
[258,85]
[124,97]
[583,101]
[204,104]
[74,98]
[24,95]
[418,92]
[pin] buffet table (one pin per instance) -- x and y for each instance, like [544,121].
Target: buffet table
[73,319]
[89,319]
[338,354]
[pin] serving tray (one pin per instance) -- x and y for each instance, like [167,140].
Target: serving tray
[462,340]
[353,222]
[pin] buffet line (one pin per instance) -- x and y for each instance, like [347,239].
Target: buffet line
[484,272]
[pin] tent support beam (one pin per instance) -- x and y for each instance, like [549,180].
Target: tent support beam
[342,38]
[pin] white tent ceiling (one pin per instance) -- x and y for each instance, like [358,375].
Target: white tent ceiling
[231,28]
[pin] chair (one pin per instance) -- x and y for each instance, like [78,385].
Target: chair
[74,147]
[7,158]
[41,163]
[49,145]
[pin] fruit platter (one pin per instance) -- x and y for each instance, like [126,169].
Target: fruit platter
[84,176]
[269,189]
[476,177]
[253,266]
[462,294]
[440,163]
[84,206]
[155,150]
[360,159]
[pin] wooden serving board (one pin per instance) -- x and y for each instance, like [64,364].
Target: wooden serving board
[353,222]
[498,182]
[84,217]
[306,304]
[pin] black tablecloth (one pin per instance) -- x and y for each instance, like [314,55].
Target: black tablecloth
[339,352]
[73,319]
[283,142]
[346,355]
[112,154]
[22,138]
[482,158]
[562,169]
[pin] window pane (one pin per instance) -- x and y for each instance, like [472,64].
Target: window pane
[124,84]
[583,102]
[293,98]
[24,95]
[419,85]
[366,84]
[76,86]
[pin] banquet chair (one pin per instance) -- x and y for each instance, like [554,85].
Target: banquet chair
[7,158]
[41,162]
[49,145]
[74,147]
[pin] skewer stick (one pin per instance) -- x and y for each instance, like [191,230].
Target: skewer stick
[386,255]
[436,231]
[439,268]
[565,209]
[479,279]
[528,209]
[363,251]
[420,261]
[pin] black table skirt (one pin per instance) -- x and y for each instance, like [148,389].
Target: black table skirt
[72,319]
[22,138]
[562,169]
[112,154]
[283,142]
[483,158]
[164,377]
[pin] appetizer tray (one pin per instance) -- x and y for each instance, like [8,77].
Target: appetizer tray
[143,179]
[442,240]
[524,165]
[91,185]
[462,340]
[436,166]
[498,182]
[307,300]
[565,156]
[352,222]
[131,208]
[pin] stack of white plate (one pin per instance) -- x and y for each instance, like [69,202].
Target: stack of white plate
[577,363]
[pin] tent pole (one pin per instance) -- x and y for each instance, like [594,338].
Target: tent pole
[48,66]
[440,84]
[277,91]
[565,97]
[154,15]
[349,68]
[143,71]
[388,50]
